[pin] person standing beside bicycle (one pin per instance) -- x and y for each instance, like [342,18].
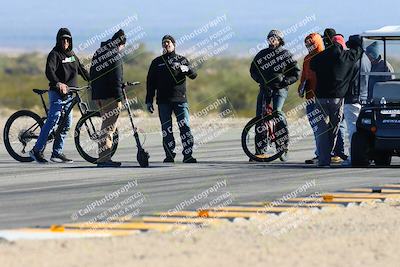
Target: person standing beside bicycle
[167,77]
[274,69]
[106,73]
[62,69]
[333,68]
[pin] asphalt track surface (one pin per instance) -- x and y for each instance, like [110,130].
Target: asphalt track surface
[41,195]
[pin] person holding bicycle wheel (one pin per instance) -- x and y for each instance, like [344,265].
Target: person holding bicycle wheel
[274,69]
[106,72]
[62,69]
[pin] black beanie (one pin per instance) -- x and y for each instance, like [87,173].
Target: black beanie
[168,37]
[329,33]
[119,37]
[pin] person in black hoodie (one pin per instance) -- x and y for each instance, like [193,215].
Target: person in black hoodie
[167,77]
[62,69]
[334,69]
[106,72]
[274,69]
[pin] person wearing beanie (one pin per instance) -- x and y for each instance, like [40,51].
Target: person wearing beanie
[333,69]
[356,92]
[377,65]
[166,79]
[62,69]
[274,69]
[308,83]
[106,74]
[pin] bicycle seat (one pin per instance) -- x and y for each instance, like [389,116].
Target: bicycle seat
[39,91]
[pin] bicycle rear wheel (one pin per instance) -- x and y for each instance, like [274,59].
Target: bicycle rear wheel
[265,138]
[87,135]
[21,131]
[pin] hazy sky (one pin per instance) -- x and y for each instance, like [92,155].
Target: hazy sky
[33,24]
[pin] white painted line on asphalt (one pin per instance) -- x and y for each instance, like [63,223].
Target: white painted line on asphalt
[12,235]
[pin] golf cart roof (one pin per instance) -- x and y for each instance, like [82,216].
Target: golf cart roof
[387,32]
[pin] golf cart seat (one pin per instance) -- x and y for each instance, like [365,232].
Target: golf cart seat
[390,90]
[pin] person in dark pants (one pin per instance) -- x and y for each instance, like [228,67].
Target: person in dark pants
[274,69]
[333,68]
[167,77]
[62,69]
[106,73]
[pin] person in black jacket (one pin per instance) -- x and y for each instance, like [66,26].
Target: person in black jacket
[274,69]
[334,69]
[167,78]
[106,72]
[62,69]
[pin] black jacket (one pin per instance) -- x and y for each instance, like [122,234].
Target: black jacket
[334,70]
[106,72]
[64,66]
[353,92]
[274,68]
[166,77]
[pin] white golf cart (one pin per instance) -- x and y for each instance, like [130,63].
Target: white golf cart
[378,126]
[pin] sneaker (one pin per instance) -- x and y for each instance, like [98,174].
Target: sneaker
[189,159]
[170,158]
[311,161]
[60,158]
[37,156]
[336,159]
[109,164]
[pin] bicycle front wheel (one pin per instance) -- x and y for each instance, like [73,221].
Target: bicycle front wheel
[20,133]
[87,136]
[265,138]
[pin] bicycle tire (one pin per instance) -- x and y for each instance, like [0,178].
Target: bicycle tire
[6,133]
[244,138]
[77,137]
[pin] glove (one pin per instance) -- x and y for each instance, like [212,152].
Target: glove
[150,107]
[284,83]
[184,68]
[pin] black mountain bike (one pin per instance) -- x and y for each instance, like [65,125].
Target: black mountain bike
[266,137]
[22,129]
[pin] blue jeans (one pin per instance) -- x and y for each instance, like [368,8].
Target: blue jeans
[57,104]
[278,98]
[181,111]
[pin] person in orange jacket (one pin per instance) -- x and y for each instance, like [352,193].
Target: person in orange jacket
[308,83]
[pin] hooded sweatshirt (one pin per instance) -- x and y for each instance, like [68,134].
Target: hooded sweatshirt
[63,65]
[308,76]
[106,72]
[274,68]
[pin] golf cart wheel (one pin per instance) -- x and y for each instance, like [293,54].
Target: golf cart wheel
[87,133]
[360,149]
[383,158]
[20,133]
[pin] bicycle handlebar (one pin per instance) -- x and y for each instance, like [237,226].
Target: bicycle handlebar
[77,89]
